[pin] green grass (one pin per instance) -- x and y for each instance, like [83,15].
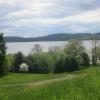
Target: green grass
[80,88]
[16,78]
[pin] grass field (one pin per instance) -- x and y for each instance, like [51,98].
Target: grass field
[79,88]
[15,78]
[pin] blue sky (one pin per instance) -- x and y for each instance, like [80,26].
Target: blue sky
[30,18]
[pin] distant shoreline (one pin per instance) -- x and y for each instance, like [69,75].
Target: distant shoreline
[46,41]
[54,37]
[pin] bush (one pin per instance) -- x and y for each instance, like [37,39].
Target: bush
[67,64]
[18,60]
[85,59]
[30,61]
[58,56]
[70,64]
[23,67]
[59,68]
[40,63]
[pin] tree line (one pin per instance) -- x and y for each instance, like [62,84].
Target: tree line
[56,60]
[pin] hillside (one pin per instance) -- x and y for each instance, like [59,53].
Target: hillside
[54,37]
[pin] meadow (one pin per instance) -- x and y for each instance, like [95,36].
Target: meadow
[19,78]
[85,86]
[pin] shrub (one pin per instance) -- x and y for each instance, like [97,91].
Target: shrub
[85,59]
[67,64]
[71,64]
[59,68]
[23,67]
[40,63]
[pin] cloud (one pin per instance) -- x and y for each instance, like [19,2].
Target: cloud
[86,17]
[37,17]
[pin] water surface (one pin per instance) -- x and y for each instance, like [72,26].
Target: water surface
[26,47]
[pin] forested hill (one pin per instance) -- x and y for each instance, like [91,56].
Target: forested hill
[54,37]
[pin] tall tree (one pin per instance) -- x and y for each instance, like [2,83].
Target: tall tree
[71,64]
[19,59]
[74,48]
[94,51]
[3,62]
[85,59]
[37,48]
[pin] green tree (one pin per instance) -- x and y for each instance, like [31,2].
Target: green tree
[37,48]
[85,59]
[10,61]
[3,62]
[71,64]
[18,60]
[57,54]
[96,55]
[60,68]
[94,51]
[74,48]
[67,64]
[40,62]
[30,60]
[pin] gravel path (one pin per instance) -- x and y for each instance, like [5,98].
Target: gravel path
[38,83]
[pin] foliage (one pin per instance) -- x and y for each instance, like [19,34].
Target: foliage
[40,63]
[59,68]
[85,59]
[44,62]
[55,60]
[10,60]
[3,61]
[95,51]
[18,60]
[74,48]
[95,55]
[71,64]
[67,64]
[58,56]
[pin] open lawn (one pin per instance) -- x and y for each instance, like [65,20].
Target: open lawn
[84,86]
[17,78]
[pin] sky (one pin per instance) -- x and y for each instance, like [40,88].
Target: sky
[33,18]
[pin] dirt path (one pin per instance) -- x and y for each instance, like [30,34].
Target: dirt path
[39,83]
